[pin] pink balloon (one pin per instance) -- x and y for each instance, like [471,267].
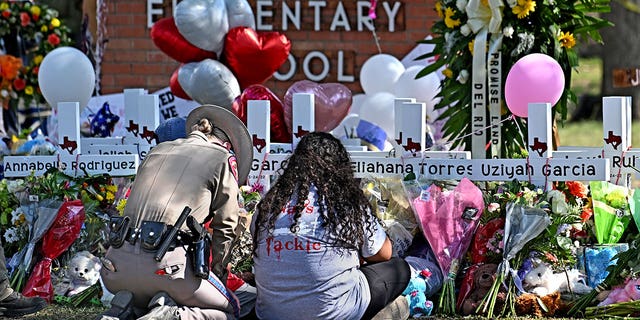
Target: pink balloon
[534,78]
[332,103]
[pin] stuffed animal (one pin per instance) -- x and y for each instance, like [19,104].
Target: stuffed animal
[544,281]
[629,291]
[532,305]
[84,271]
[415,293]
[483,278]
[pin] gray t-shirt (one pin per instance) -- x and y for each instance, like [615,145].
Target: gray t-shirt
[301,276]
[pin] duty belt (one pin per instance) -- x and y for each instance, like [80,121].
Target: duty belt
[151,234]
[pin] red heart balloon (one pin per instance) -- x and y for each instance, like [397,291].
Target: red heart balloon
[332,102]
[254,56]
[279,131]
[175,86]
[167,38]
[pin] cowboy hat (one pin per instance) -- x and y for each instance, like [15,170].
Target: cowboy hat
[235,130]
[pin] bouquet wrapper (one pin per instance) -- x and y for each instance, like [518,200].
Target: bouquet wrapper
[611,211]
[63,232]
[484,233]
[446,221]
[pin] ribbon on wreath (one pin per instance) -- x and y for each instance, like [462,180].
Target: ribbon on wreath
[484,20]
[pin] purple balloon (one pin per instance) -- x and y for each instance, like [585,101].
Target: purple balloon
[534,78]
[332,103]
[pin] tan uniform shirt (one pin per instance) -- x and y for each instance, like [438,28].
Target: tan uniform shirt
[189,172]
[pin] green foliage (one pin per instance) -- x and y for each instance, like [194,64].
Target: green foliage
[552,27]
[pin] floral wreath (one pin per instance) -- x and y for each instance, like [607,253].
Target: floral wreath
[514,28]
[40,31]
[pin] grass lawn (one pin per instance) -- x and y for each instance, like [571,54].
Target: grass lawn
[589,134]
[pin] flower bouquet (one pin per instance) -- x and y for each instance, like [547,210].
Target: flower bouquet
[59,237]
[448,219]
[522,224]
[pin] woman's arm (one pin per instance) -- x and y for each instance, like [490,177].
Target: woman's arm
[383,254]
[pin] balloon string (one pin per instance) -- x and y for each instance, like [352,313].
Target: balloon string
[470,134]
[372,16]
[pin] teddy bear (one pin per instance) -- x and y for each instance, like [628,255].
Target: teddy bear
[83,272]
[529,304]
[544,281]
[629,291]
[415,293]
[483,277]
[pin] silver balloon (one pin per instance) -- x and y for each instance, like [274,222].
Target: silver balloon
[204,23]
[240,14]
[209,82]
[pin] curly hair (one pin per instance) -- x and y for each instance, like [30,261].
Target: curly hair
[322,161]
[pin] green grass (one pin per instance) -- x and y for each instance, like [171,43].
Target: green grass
[589,134]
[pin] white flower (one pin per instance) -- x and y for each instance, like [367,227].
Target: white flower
[4,93]
[461,5]
[492,207]
[449,41]
[507,31]
[465,30]
[524,45]
[11,235]
[558,202]
[14,186]
[17,215]
[463,77]
[512,3]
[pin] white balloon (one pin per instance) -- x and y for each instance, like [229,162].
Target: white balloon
[66,75]
[240,14]
[204,23]
[378,109]
[423,89]
[347,126]
[380,73]
[356,102]
[209,82]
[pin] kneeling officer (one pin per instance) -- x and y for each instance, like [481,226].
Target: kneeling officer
[195,177]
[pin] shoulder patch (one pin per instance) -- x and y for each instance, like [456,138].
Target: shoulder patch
[233,164]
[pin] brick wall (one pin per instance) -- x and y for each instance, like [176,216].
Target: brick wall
[132,60]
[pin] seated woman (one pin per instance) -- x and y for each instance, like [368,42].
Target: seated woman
[319,252]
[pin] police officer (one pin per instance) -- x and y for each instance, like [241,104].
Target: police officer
[200,172]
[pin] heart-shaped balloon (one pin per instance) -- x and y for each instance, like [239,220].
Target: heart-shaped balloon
[209,82]
[168,39]
[332,102]
[204,23]
[279,132]
[175,87]
[240,14]
[254,56]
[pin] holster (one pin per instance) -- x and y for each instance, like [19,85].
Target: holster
[200,251]
[151,233]
[118,228]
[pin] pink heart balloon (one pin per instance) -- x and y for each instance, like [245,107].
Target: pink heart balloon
[332,103]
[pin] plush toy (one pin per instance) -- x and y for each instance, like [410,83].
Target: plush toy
[544,281]
[629,291]
[532,305]
[84,271]
[415,293]
[483,278]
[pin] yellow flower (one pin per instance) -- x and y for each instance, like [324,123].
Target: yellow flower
[38,59]
[448,21]
[120,206]
[112,188]
[110,196]
[567,40]
[28,90]
[35,10]
[523,8]
[438,9]
[44,29]
[447,73]
[4,6]
[55,22]
[471,43]
[99,197]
